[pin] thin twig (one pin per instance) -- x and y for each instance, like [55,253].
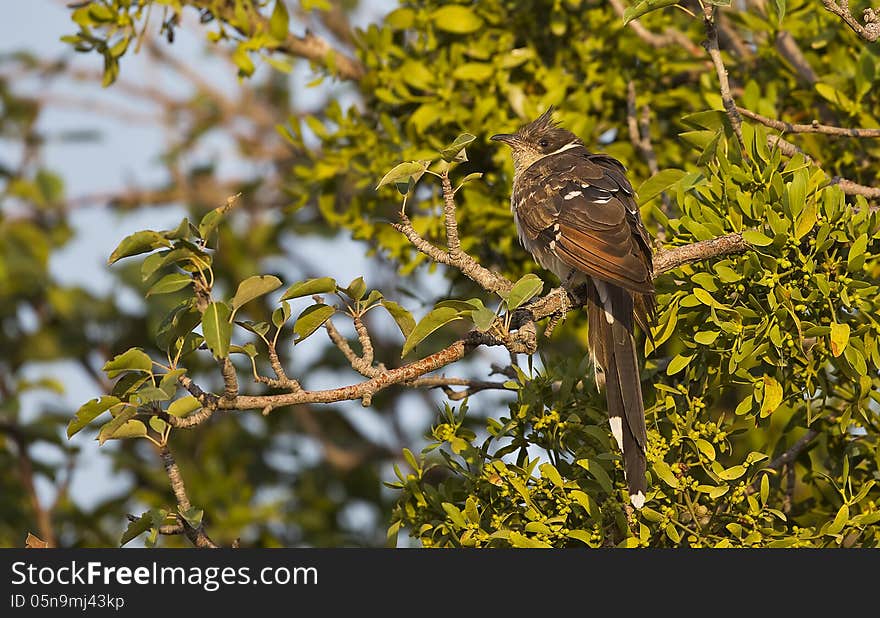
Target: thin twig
[670,37]
[197,536]
[813,127]
[711,45]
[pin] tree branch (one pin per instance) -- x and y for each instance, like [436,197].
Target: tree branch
[670,37]
[197,536]
[668,259]
[711,45]
[814,127]
[869,32]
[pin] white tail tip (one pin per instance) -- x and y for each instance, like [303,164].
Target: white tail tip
[638,500]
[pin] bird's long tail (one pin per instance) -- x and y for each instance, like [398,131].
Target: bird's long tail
[610,318]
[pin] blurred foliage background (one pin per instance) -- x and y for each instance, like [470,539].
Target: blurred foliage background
[762,417]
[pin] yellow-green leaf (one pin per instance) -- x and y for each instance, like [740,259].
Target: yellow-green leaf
[772,396]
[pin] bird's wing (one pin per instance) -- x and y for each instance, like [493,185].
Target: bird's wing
[582,208]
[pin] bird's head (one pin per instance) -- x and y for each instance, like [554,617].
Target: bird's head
[536,140]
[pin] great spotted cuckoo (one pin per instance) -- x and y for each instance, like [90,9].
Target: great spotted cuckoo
[576,213]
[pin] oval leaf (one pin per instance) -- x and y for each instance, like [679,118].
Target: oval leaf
[170,283]
[311,319]
[89,412]
[524,290]
[756,238]
[405,322]
[658,183]
[254,287]
[456,18]
[772,396]
[322,285]
[133,359]
[428,324]
[137,243]
[403,172]
[217,329]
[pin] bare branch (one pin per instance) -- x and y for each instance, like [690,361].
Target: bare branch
[197,536]
[361,365]
[705,249]
[869,32]
[489,281]
[670,37]
[789,49]
[853,188]
[847,186]
[813,127]
[711,45]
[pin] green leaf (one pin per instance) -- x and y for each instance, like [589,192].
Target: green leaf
[836,526]
[598,473]
[772,396]
[193,516]
[117,428]
[455,152]
[254,287]
[645,6]
[662,470]
[136,528]
[658,183]
[474,71]
[524,290]
[403,172]
[133,359]
[311,319]
[211,220]
[258,328]
[456,18]
[170,283]
[89,411]
[137,243]
[405,322]
[322,285]
[184,406]
[217,329]
[356,289]
[548,471]
[839,338]
[279,23]
[281,314]
[857,253]
[756,238]
[706,448]
[483,319]
[678,363]
[435,319]
[734,472]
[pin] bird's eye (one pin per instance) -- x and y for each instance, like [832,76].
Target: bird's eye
[543,143]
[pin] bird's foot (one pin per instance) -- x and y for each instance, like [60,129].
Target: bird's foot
[558,316]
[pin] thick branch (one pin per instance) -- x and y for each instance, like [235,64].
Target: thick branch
[668,259]
[813,127]
[197,536]
[869,32]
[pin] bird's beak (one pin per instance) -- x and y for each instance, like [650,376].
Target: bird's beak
[507,138]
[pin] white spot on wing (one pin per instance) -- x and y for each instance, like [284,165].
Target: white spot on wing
[638,500]
[572,195]
[617,430]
